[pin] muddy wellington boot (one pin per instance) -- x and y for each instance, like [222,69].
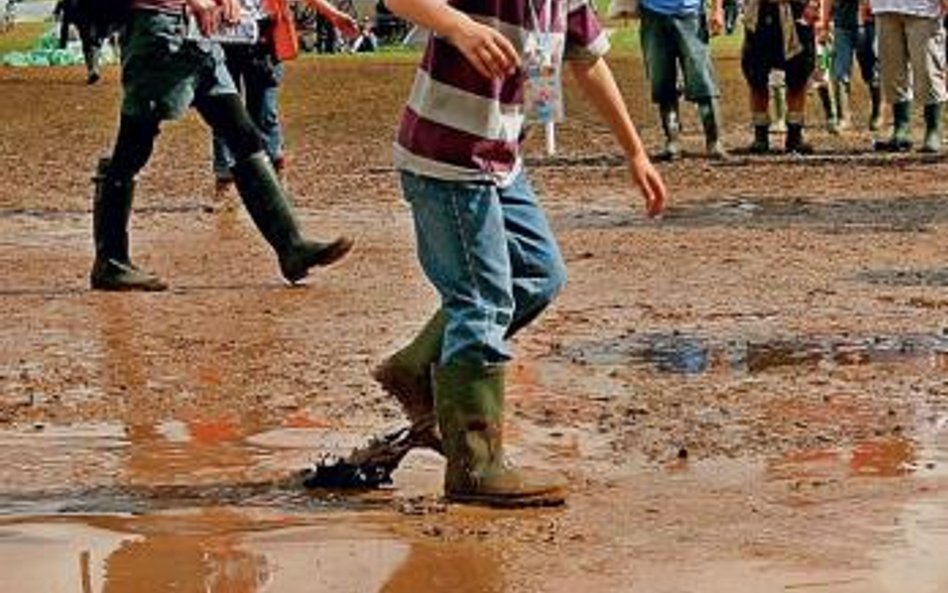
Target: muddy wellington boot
[406,375]
[932,142]
[671,124]
[111,209]
[829,110]
[269,207]
[901,140]
[842,94]
[875,114]
[710,113]
[469,398]
[795,143]
[761,143]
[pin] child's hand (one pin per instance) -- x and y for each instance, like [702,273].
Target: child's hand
[346,25]
[207,13]
[650,183]
[491,54]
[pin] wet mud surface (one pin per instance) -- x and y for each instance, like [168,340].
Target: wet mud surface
[749,394]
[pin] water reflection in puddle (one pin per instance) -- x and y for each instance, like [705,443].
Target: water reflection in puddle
[691,354]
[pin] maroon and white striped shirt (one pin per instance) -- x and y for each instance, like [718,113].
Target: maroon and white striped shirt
[461,126]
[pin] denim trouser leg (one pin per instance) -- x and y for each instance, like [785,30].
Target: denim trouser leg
[263,107]
[490,254]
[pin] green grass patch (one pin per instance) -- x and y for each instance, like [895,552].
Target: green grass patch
[21,37]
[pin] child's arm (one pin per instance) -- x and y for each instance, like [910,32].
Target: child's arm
[600,87]
[340,20]
[486,49]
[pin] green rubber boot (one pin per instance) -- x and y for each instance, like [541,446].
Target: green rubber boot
[111,210]
[710,112]
[672,127]
[875,114]
[406,375]
[932,143]
[469,398]
[829,110]
[901,140]
[269,207]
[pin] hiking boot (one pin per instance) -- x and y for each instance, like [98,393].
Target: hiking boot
[269,207]
[901,140]
[406,375]
[111,210]
[469,397]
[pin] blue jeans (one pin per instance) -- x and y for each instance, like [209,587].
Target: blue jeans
[491,255]
[862,43]
[262,100]
[672,43]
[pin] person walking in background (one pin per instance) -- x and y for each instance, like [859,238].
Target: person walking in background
[163,74]
[257,70]
[92,35]
[674,36]
[779,35]
[851,25]
[912,66]
[483,240]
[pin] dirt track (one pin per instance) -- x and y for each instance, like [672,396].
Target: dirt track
[749,394]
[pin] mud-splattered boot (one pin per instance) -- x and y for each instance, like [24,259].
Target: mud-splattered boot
[269,207]
[469,398]
[842,93]
[111,209]
[932,142]
[901,140]
[672,127]
[875,113]
[829,110]
[406,375]
[710,113]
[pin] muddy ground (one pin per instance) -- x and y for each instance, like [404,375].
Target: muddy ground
[749,394]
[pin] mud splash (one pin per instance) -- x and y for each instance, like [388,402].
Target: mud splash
[692,354]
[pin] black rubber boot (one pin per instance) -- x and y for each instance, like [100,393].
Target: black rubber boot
[932,143]
[111,210]
[710,112]
[901,140]
[795,143]
[268,205]
[761,143]
[672,127]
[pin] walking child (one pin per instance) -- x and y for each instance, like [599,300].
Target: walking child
[163,74]
[483,240]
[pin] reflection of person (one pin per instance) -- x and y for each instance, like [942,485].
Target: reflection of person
[854,32]
[675,36]
[778,36]
[911,54]
[162,75]
[257,69]
[482,238]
